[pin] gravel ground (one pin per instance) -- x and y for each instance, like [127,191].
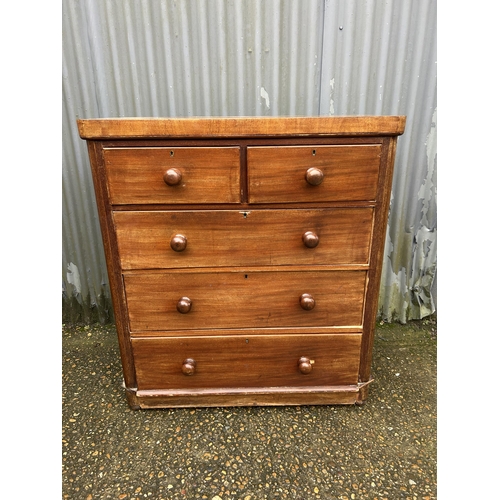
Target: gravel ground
[385,449]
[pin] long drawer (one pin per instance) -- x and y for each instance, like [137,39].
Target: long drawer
[155,240]
[244,299]
[246,361]
[173,175]
[284,174]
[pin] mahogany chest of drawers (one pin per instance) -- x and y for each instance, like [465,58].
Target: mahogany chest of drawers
[244,254]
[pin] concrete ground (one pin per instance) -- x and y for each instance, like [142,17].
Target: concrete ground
[385,449]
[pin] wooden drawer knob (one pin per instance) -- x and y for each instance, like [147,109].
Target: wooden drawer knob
[305,365]
[307,301]
[178,243]
[310,239]
[184,305]
[314,176]
[172,177]
[188,366]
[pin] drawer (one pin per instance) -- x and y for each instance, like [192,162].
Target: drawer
[195,175]
[244,299]
[233,238]
[246,361]
[336,173]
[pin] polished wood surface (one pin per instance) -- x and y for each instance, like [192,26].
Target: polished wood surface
[136,128]
[208,238]
[254,396]
[310,239]
[305,365]
[241,361]
[173,175]
[314,176]
[112,265]
[188,367]
[307,301]
[178,243]
[259,330]
[184,305]
[313,173]
[244,254]
[243,299]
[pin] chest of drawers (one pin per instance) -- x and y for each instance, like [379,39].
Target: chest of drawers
[244,254]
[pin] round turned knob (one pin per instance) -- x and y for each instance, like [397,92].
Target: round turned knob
[305,365]
[188,366]
[184,305]
[310,239]
[178,243]
[172,177]
[307,301]
[314,176]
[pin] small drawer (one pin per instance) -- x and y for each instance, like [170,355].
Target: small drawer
[156,240]
[244,299]
[246,361]
[313,173]
[173,175]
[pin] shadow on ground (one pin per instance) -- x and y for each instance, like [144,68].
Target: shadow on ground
[385,449]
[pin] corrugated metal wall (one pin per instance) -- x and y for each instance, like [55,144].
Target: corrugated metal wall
[255,58]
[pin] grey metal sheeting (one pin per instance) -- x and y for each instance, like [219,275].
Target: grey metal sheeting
[254,58]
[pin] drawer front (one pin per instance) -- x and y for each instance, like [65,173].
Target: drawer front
[247,299]
[335,173]
[195,175]
[246,361]
[154,240]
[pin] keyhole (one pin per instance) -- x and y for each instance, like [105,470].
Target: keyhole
[314,152]
[171,153]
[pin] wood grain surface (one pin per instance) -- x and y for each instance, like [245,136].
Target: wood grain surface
[109,128]
[278,174]
[209,175]
[244,299]
[239,361]
[243,238]
[272,396]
